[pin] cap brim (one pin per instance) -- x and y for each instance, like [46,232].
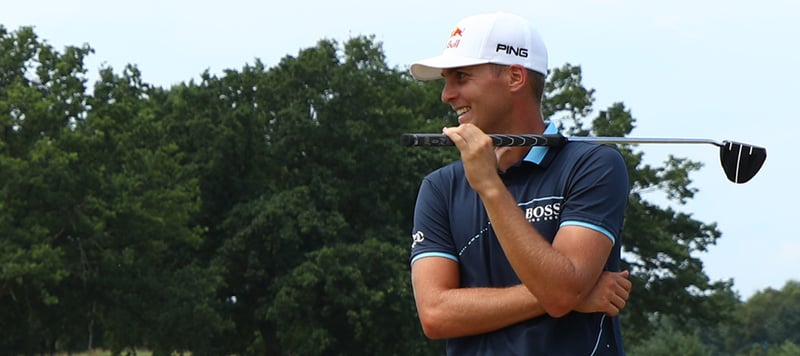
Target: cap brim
[431,68]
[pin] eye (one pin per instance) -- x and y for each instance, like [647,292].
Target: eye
[455,75]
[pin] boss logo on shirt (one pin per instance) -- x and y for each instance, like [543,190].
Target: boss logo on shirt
[543,212]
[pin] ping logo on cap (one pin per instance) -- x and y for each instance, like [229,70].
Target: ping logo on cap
[508,49]
[455,38]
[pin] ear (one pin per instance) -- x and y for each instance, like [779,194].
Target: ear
[517,77]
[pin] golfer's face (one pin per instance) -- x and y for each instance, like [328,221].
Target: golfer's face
[478,95]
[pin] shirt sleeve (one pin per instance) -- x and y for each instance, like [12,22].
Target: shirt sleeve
[597,194]
[431,235]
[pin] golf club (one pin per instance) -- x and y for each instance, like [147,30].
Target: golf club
[740,161]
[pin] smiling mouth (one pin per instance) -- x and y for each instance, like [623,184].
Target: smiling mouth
[461,111]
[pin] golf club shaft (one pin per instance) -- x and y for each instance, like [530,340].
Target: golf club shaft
[552,140]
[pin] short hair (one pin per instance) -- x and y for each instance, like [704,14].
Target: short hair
[537,80]
[537,84]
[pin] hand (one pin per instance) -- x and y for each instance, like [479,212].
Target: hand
[478,154]
[609,295]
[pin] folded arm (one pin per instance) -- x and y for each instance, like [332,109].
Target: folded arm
[448,311]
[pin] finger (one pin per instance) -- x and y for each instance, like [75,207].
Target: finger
[475,136]
[454,134]
[620,303]
[612,310]
[615,302]
[622,292]
[623,281]
[462,135]
[625,284]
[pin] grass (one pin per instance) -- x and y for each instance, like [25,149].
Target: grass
[98,352]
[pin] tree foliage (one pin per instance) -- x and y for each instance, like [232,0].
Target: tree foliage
[767,323]
[670,338]
[96,245]
[268,211]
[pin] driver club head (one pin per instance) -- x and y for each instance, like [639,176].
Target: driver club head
[741,161]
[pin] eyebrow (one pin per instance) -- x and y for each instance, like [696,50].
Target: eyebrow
[446,71]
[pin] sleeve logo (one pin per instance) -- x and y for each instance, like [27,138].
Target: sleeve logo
[417,237]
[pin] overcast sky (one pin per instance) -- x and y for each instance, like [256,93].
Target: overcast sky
[685,68]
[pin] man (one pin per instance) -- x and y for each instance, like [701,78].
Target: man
[514,247]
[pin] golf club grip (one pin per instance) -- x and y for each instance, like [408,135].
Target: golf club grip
[440,140]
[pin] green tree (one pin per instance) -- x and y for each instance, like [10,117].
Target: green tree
[671,339]
[155,292]
[349,299]
[787,348]
[96,244]
[767,323]
[41,100]
[296,158]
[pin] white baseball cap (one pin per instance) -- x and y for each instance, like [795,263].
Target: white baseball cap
[499,38]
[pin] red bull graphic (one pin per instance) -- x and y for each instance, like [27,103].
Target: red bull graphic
[455,38]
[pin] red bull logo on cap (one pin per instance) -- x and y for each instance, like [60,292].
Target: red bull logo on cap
[455,38]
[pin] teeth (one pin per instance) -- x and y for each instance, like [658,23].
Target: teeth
[462,111]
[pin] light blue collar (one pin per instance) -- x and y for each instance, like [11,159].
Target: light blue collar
[537,153]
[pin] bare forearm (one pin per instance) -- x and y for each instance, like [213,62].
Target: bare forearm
[470,311]
[447,310]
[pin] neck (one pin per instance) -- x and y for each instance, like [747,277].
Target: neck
[508,156]
[528,122]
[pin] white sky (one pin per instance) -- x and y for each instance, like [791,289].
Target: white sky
[685,68]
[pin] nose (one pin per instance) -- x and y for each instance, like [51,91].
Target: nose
[449,91]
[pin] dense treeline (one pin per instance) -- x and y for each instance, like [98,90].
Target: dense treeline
[268,211]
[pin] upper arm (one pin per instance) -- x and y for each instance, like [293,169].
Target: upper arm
[587,249]
[430,276]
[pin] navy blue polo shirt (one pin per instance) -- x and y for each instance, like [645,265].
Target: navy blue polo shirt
[582,184]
